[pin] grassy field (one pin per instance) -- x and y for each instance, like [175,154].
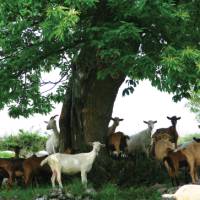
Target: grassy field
[107,192]
[113,180]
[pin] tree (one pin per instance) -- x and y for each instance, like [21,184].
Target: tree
[194,104]
[95,44]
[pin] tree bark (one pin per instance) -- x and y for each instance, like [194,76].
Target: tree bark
[87,107]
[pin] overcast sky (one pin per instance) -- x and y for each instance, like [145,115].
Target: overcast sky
[146,103]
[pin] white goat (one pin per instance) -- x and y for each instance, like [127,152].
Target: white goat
[72,164]
[142,140]
[186,192]
[113,127]
[53,141]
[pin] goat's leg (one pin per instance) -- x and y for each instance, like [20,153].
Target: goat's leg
[53,177]
[176,180]
[172,181]
[58,176]
[10,179]
[192,171]
[84,178]
[27,177]
[53,149]
[196,174]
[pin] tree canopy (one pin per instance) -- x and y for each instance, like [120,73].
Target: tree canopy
[142,39]
[194,104]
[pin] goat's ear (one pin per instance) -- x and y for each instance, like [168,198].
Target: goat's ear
[103,145]
[155,121]
[121,119]
[112,118]
[127,137]
[168,118]
[90,143]
[145,122]
[178,118]
[46,122]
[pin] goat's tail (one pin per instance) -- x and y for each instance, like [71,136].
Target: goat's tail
[166,196]
[169,164]
[44,161]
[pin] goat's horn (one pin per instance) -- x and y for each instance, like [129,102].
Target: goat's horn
[53,116]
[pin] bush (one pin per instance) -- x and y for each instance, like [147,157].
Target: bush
[29,141]
[188,138]
[127,172]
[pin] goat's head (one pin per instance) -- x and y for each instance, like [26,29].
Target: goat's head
[150,124]
[116,120]
[51,123]
[173,120]
[96,146]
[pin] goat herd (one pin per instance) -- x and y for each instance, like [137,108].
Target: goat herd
[162,144]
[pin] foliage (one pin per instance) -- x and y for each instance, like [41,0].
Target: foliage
[194,104]
[188,138]
[127,172]
[6,155]
[156,40]
[29,141]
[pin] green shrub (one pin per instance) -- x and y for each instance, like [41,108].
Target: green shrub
[127,172]
[188,138]
[29,141]
[6,155]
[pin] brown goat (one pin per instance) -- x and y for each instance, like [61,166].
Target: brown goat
[173,162]
[31,167]
[12,167]
[116,143]
[112,128]
[171,131]
[192,153]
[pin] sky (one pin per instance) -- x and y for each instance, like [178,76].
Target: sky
[146,103]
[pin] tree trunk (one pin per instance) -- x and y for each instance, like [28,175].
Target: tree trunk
[87,107]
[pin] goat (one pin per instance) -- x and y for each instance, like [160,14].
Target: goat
[112,128]
[117,144]
[12,167]
[141,141]
[173,161]
[161,148]
[31,167]
[53,141]
[185,192]
[71,164]
[192,153]
[171,131]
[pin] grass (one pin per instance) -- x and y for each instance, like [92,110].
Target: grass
[23,193]
[107,192]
